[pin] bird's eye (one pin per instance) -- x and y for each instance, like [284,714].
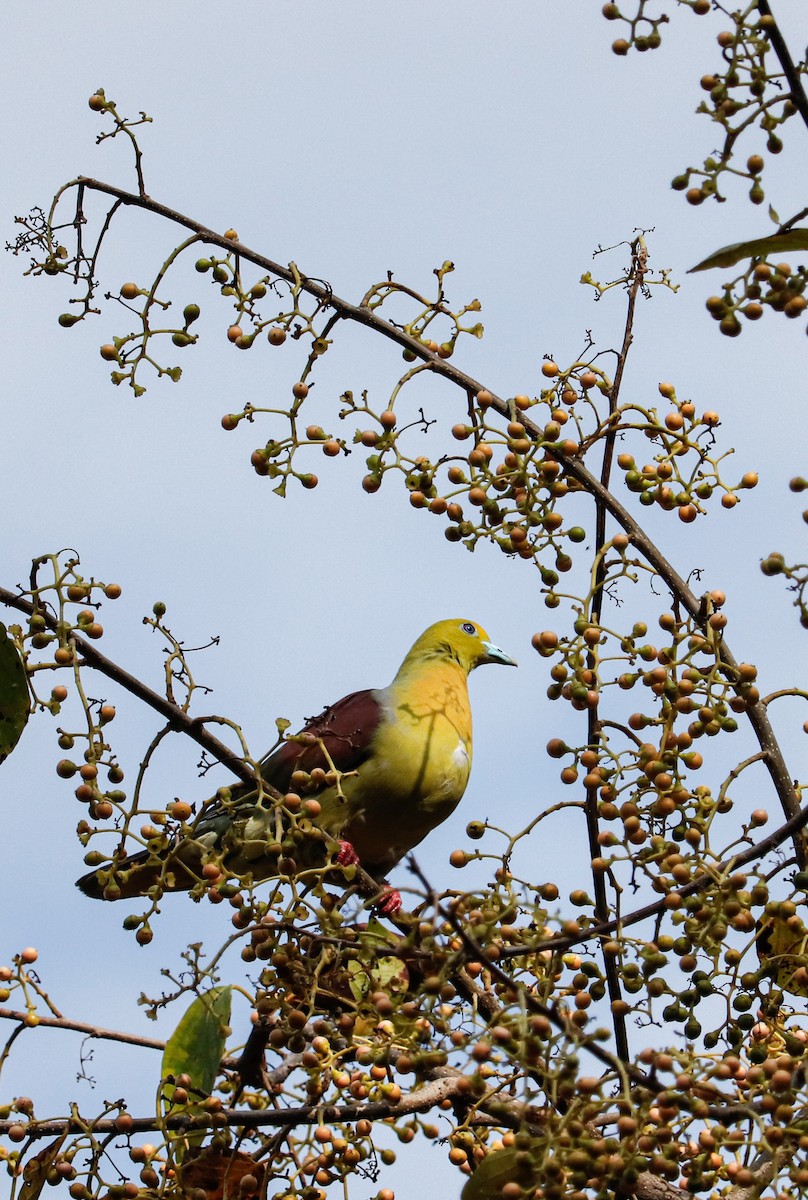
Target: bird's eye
[467,627]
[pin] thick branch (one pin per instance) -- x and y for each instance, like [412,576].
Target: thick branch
[445,1083]
[94,1031]
[798,97]
[177,719]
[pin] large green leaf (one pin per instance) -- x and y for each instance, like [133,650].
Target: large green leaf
[13,694]
[776,243]
[196,1046]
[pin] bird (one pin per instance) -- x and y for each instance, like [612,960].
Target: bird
[386,766]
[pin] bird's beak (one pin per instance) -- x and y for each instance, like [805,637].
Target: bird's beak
[493,654]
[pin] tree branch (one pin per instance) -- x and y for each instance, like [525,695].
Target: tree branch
[798,96]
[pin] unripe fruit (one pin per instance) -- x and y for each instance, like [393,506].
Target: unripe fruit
[97,102]
[68,319]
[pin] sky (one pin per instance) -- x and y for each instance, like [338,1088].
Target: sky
[352,139]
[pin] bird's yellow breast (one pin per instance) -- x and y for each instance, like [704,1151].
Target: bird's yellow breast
[419,768]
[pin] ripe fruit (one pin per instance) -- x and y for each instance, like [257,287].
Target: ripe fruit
[129,291]
[108,352]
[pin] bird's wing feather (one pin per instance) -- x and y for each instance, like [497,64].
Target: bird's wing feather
[346,730]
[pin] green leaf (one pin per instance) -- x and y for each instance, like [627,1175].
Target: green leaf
[13,694]
[498,1168]
[35,1171]
[196,1046]
[776,243]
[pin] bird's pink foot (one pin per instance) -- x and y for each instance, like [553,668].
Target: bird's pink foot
[347,856]
[389,902]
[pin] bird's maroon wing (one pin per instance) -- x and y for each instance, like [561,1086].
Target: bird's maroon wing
[346,729]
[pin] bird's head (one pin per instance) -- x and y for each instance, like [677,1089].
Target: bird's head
[463,642]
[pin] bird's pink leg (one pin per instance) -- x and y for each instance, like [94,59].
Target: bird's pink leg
[347,856]
[389,902]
